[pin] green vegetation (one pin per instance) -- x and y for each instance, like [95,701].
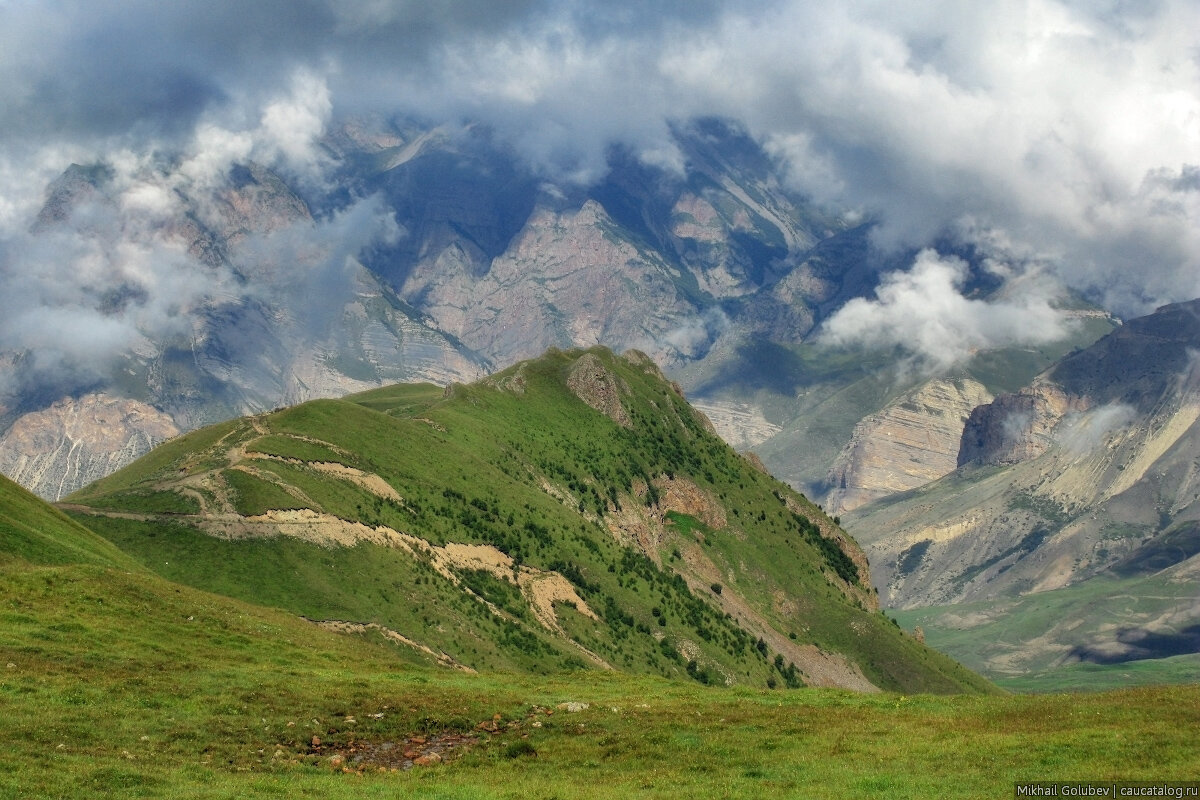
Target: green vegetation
[118,682]
[641,511]
[1069,639]
[122,684]
[33,531]
[253,495]
[291,447]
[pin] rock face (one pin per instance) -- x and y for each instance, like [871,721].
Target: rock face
[912,441]
[1091,467]
[569,279]
[1015,427]
[77,441]
[591,382]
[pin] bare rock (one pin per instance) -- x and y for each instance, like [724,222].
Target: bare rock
[64,447]
[1016,427]
[591,382]
[910,442]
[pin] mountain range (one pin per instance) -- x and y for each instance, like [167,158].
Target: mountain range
[434,256]
[1076,495]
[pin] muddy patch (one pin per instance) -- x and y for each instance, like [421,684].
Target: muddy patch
[403,754]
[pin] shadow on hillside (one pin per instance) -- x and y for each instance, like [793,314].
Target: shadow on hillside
[1140,644]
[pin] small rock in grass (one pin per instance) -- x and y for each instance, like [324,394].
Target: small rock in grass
[572,707]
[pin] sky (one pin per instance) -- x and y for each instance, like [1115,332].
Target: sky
[1061,139]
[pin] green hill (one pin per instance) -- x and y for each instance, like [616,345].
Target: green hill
[33,531]
[571,512]
[118,683]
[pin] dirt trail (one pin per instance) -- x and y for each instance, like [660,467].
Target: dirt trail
[341,626]
[100,512]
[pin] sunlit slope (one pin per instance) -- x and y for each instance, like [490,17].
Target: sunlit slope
[570,512]
[123,685]
[36,532]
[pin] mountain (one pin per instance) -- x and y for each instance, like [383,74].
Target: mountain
[1078,493]
[118,682]
[431,253]
[569,512]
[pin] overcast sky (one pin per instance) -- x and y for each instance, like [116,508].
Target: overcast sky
[1063,135]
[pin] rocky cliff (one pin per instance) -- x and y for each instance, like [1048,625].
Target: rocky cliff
[78,440]
[912,441]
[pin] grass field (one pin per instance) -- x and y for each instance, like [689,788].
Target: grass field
[118,683]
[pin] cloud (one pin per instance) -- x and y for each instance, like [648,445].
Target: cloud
[693,336]
[1069,129]
[307,267]
[924,312]
[1082,433]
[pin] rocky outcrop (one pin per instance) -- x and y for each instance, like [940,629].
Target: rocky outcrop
[1016,427]
[910,442]
[591,382]
[684,496]
[76,441]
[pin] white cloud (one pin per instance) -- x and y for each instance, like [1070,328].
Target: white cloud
[1067,128]
[924,312]
[291,126]
[1081,433]
[691,338]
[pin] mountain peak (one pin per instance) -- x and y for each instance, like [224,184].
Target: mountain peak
[571,511]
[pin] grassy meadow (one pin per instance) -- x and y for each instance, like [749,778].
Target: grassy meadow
[128,670]
[119,683]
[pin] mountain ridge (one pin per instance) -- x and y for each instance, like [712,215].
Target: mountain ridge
[567,499]
[1087,475]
